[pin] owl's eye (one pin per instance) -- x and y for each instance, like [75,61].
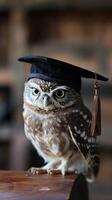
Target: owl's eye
[59,93]
[35,91]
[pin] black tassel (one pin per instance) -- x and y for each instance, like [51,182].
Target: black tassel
[96,114]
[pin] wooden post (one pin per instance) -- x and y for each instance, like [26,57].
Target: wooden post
[22,186]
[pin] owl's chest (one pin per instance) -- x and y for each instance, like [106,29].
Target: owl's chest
[44,126]
[49,134]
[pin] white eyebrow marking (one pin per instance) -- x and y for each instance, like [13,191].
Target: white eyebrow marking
[64,87]
[33,85]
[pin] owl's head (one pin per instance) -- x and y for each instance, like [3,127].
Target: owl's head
[49,96]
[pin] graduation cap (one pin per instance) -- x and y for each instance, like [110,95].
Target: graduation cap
[50,69]
[55,70]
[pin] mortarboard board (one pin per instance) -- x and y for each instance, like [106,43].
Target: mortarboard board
[51,69]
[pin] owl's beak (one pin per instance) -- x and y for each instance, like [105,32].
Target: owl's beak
[46,100]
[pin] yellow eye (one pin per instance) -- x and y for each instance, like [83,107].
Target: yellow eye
[59,93]
[35,91]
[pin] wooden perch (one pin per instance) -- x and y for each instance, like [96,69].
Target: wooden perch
[21,186]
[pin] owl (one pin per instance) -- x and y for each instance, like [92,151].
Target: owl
[57,123]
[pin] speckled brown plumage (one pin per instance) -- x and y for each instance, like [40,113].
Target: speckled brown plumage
[49,110]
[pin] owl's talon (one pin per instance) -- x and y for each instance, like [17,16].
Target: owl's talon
[49,171]
[37,171]
[55,172]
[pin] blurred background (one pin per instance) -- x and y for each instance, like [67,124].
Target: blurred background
[75,31]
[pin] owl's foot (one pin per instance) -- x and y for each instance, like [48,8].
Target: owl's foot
[52,166]
[37,171]
[40,171]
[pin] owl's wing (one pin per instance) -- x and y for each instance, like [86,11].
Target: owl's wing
[79,124]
